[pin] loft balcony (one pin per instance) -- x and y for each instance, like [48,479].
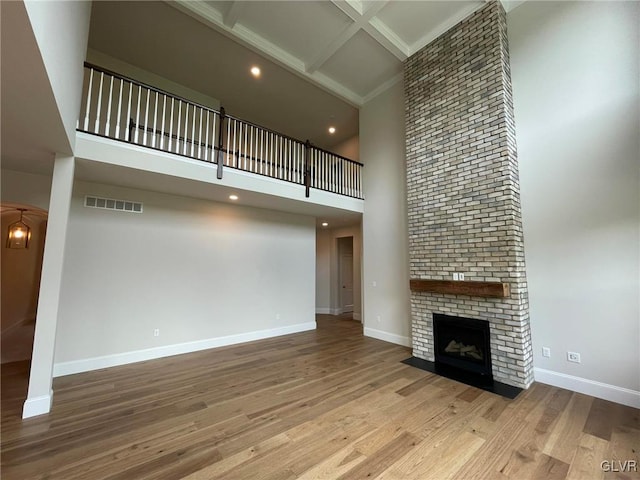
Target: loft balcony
[121,109]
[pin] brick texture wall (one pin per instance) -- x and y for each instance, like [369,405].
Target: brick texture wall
[463,189]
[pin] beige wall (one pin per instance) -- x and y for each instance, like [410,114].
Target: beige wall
[384,225]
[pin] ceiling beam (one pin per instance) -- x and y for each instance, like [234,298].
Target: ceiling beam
[387,38]
[360,22]
[233,13]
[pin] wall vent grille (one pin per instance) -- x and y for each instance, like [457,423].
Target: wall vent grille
[112,204]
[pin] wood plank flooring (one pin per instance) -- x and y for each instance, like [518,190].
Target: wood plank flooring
[326,404]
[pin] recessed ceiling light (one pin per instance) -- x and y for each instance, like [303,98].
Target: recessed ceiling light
[233,197]
[332,130]
[255,71]
[325,224]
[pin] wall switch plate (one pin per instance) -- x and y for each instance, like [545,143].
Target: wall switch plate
[461,276]
[573,357]
[156,332]
[456,276]
[546,352]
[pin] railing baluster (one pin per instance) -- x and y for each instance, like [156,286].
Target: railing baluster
[186,126]
[86,113]
[119,109]
[179,123]
[107,126]
[164,117]
[206,138]
[251,161]
[146,118]
[193,129]
[138,114]
[129,109]
[155,122]
[96,128]
[171,126]
[200,135]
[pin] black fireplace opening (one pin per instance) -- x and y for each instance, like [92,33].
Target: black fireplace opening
[462,345]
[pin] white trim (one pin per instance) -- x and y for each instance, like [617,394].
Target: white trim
[37,405]
[323,311]
[387,337]
[605,391]
[383,87]
[95,363]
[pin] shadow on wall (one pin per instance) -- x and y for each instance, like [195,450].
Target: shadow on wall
[20,282]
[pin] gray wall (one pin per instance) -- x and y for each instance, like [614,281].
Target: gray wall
[575,85]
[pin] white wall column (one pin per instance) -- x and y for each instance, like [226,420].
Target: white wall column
[40,381]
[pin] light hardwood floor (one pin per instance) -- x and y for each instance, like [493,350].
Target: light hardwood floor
[323,404]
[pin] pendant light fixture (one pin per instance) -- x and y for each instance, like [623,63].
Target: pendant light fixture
[19,233]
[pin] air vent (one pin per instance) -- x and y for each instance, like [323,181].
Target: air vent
[112,204]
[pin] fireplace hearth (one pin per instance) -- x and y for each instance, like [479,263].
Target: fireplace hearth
[462,351]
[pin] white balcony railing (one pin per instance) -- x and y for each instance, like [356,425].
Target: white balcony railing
[123,109]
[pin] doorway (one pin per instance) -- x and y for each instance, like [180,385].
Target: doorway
[20,283]
[345,274]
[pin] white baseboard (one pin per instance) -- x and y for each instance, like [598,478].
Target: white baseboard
[37,405]
[323,311]
[95,363]
[387,337]
[605,391]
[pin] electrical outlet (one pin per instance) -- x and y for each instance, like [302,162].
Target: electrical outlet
[546,352]
[374,284]
[378,318]
[461,276]
[573,357]
[456,276]
[277,316]
[156,332]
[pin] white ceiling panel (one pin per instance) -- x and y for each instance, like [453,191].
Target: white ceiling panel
[301,28]
[412,21]
[362,64]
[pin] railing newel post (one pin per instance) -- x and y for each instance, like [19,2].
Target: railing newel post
[220,142]
[307,168]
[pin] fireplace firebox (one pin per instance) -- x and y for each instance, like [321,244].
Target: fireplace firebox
[462,346]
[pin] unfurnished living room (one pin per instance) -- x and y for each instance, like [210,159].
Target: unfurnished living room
[320,239]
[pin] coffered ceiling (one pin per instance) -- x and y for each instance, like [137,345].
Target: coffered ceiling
[352,48]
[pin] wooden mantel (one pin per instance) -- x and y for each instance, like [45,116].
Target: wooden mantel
[474,289]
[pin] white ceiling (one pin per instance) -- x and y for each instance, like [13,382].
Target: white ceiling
[352,48]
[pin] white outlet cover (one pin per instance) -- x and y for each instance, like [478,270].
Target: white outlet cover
[546,352]
[456,276]
[461,276]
